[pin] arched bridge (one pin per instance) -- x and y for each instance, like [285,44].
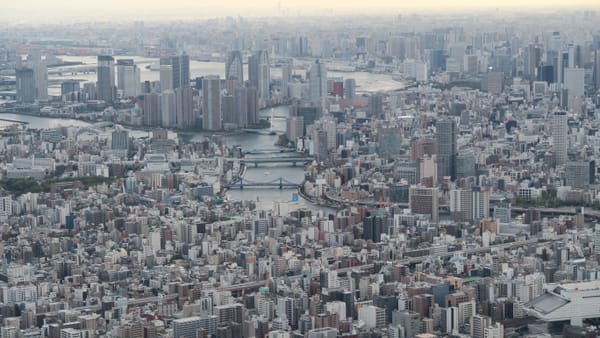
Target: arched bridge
[280,183]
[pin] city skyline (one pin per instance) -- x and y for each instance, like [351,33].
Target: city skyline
[309,173]
[188,9]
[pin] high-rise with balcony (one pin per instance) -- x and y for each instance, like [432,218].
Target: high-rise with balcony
[128,78]
[445,141]
[105,86]
[259,75]
[211,103]
[559,137]
[179,72]
[317,84]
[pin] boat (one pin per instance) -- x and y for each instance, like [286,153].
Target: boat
[267,173]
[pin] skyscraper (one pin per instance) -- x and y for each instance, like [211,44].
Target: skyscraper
[597,69]
[151,108]
[259,75]
[211,103]
[168,109]
[533,58]
[574,79]
[559,137]
[317,84]
[105,85]
[349,88]
[234,67]
[128,78]
[597,239]
[286,77]
[184,110]
[372,227]
[166,77]
[32,78]
[252,96]
[445,139]
[25,85]
[240,106]
[180,68]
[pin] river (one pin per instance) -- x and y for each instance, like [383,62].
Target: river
[264,197]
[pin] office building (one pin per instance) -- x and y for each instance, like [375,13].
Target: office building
[494,82]
[259,75]
[424,201]
[349,88]
[105,85]
[372,228]
[533,56]
[559,137]
[317,84]
[25,83]
[180,70]
[128,78]
[445,139]
[375,107]
[390,140]
[211,103]
[234,66]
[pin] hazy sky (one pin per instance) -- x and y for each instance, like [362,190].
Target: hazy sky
[22,9]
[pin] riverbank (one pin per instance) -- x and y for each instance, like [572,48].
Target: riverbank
[91,121]
[318,202]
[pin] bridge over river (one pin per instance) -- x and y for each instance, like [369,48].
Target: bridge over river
[280,183]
